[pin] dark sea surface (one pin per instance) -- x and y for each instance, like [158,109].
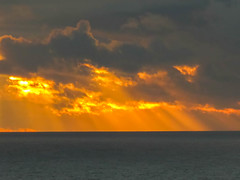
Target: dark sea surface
[136,155]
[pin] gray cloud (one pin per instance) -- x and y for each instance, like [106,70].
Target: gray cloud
[21,53]
[106,15]
[70,43]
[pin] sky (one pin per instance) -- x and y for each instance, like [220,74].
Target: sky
[104,65]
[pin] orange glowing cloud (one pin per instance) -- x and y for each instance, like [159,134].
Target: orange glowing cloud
[20,39]
[208,108]
[32,87]
[47,92]
[188,71]
[94,105]
[147,76]
[99,99]
[2,57]
[160,78]
[106,78]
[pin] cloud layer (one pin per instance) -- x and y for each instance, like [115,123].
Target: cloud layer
[156,56]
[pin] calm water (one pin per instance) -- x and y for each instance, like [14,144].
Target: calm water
[165,155]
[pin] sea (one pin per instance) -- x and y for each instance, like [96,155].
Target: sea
[120,155]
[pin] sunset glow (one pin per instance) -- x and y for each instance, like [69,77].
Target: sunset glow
[36,86]
[208,108]
[1,57]
[111,89]
[18,130]
[188,71]
[121,71]
[106,98]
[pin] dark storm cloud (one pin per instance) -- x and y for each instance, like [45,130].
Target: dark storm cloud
[228,3]
[108,15]
[21,53]
[79,43]
[70,43]
[104,14]
[73,42]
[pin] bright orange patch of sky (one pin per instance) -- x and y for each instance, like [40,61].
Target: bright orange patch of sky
[1,57]
[188,71]
[208,108]
[107,106]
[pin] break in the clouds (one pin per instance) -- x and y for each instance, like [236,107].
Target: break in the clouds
[122,65]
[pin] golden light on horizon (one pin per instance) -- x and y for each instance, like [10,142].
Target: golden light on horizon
[17,130]
[103,104]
